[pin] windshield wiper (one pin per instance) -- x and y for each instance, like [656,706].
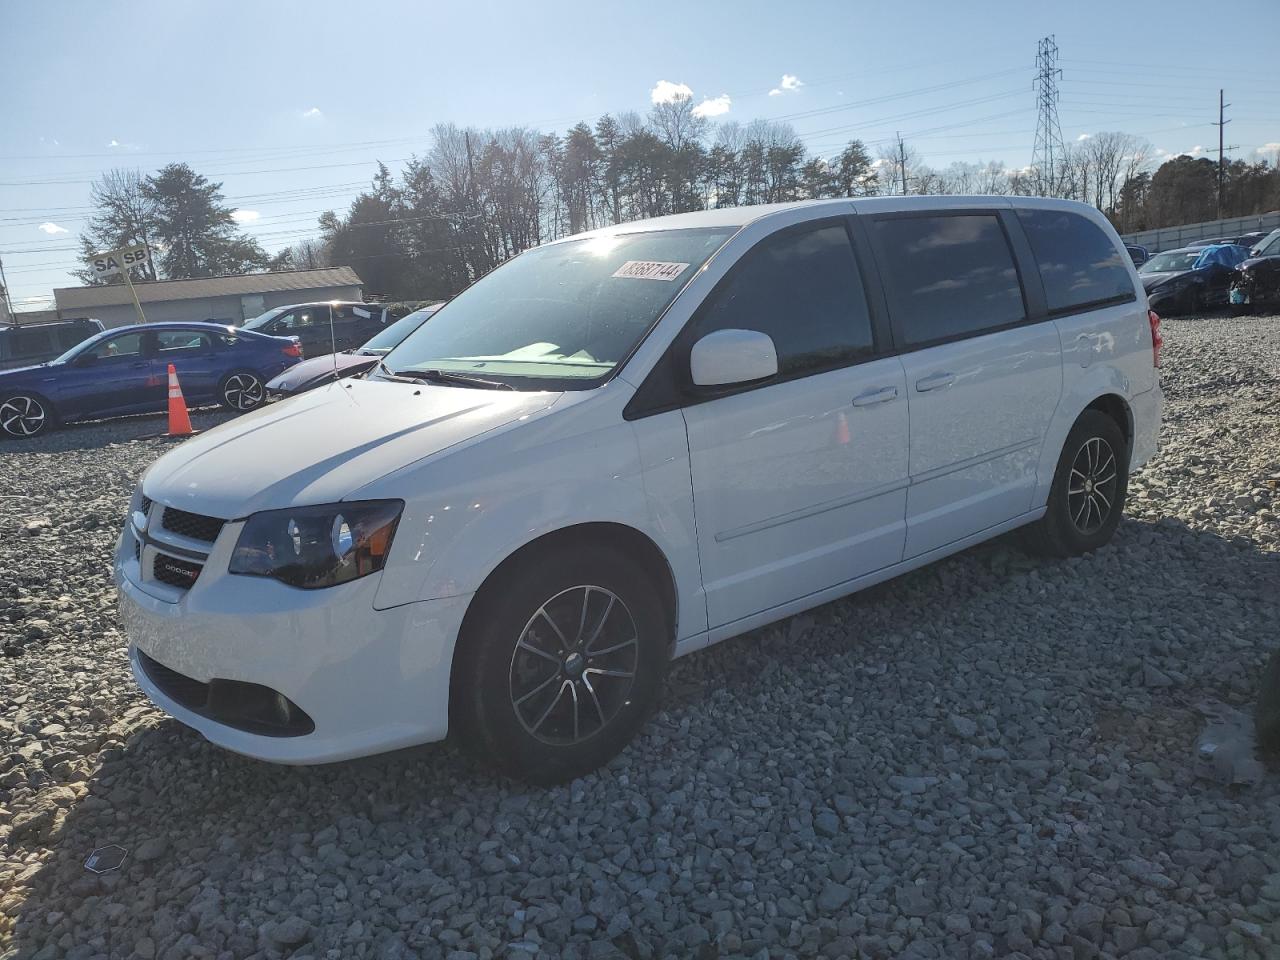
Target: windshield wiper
[446,376]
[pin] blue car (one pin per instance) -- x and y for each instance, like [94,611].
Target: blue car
[125,370]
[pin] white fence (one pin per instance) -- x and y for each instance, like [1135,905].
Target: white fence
[1170,238]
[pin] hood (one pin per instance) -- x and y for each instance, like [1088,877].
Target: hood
[1152,280]
[320,368]
[325,444]
[1271,262]
[21,371]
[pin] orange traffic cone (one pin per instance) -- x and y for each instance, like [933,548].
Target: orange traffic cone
[179,421]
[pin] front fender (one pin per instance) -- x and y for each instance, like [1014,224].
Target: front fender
[468,511]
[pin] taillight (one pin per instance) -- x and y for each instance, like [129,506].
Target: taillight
[295,350]
[1157,341]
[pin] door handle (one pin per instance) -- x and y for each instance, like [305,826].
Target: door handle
[935,381]
[138,366]
[882,395]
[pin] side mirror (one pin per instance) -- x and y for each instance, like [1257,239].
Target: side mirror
[728,357]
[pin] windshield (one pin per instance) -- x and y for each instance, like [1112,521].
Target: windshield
[262,319]
[561,316]
[1170,262]
[390,336]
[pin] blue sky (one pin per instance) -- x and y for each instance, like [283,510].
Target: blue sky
[290,104]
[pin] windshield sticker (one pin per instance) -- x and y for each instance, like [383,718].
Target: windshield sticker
[650,270]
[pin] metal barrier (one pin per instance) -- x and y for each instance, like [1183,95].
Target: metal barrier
[1171,238]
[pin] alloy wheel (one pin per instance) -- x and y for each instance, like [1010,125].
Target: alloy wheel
[574,665]
[22,416]
[1091,489]
[243,391]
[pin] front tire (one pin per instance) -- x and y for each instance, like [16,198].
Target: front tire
[243,391]
[24,415]
[1086,500]
[560,663]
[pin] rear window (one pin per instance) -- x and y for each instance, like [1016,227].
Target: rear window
[1079,265]
[949,275]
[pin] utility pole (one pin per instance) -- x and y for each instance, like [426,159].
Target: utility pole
[1222,155]
[902,163]
[1049,153]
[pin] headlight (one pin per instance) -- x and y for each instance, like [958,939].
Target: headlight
[313,547]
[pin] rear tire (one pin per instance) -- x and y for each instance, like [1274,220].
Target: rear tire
[559,663]
[24,415]
[242,391]
[1086,500]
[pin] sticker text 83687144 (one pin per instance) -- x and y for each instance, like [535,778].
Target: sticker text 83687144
[650,270]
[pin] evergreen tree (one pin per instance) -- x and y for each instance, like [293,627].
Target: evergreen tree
[195,232]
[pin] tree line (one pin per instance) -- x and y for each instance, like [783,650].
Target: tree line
[477,197]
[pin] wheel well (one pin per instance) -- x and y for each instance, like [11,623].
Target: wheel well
[50,409]
[1117,409]
[614,535]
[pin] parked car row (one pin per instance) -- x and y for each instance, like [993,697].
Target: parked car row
[329,327]
[1214,275]
[124,371]
[317,371]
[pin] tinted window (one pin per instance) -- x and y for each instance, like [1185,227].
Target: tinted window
[356,313]
[948,276]
[27,343]
[170,342]
[803,290]
[68,337]
[1079,265]
[296,319]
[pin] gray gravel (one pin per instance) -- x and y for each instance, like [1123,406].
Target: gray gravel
[994,756]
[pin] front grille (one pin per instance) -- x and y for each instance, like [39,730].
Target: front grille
[193,525]
[137,548]
[244,706]
[175,572]
[145,505]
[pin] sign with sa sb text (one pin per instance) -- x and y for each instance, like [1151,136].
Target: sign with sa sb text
[118,261]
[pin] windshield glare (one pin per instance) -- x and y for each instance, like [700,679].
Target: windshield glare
[389,336]
[561,316]
[1268,246]
[1169,262]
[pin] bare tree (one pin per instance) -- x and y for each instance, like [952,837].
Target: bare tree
[124,215]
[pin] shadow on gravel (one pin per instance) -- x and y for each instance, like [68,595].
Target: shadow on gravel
[204,827]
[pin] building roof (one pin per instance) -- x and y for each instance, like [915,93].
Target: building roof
[156,291]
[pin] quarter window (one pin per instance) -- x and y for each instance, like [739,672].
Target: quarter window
[1079,265]
[804,291]
[949,276]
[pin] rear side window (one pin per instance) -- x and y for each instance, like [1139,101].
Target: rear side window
[949,276]
[802,288]
[172,342]
[1079,265]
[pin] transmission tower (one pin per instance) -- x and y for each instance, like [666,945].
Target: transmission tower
[1049,153]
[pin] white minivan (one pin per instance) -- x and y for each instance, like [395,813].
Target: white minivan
[626,445]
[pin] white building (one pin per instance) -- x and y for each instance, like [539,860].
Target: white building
[220,299]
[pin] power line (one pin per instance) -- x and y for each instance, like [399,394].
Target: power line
[1049,149]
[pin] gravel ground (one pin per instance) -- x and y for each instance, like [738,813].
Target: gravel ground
[994,756]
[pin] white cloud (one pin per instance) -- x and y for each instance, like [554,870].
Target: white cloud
[245,216]
[1195,151]
[880,162]
[664,91]
[1083,137]
[114,143]
[790,83]
[51,228]
[1268,148]
[713,106]
[314,113]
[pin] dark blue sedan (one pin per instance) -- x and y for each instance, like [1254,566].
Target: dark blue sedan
[125,370]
